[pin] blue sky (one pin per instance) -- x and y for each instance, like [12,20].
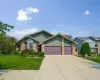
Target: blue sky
[75,17]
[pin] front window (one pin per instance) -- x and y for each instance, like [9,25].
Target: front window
[30,44]
[96,45]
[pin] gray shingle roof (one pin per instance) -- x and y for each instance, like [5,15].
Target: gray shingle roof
[82,38]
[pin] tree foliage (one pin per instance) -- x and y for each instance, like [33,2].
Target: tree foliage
[7,45]
[85,49]
[69,36]
[4,28]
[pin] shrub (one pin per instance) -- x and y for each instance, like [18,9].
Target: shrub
[16,53]
[41,54]
[85,49]
[93,52]
[25,52]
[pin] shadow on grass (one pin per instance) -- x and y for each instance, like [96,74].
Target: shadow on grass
[94,65]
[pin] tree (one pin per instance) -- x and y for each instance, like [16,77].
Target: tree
[4,28]
[69,36]
[85,49]
[7,46]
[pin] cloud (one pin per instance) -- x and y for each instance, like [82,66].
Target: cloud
[87,12]
[20,33]
[61,25]
[26,31]
[23,15]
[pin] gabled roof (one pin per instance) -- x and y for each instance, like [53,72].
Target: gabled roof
[25,38]
[59,34]
[40,32]
[83,38]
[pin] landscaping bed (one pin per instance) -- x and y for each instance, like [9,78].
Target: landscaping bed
[95,58]
[17,62]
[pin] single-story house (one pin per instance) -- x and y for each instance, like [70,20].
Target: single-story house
[46,42]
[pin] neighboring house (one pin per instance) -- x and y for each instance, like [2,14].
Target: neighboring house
[46,42]
[94,43]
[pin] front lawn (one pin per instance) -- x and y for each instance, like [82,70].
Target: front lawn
[20,63]
[95,58]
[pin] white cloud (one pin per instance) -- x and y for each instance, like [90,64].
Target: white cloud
[87,12]
[61,25]
[23,15]
[26,31]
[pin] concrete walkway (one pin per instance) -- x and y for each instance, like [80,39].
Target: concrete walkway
[59,68]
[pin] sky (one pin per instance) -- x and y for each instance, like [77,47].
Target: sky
[74,17]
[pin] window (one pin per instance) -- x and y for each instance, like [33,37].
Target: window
[96,45]
[30,44]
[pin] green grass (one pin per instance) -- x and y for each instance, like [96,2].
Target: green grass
[94,58]
[20,63]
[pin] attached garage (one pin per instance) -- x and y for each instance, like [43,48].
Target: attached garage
[67,50]
[51,50]
[58,45]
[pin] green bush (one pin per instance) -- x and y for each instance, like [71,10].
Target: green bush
[16,53]
[25,52]
[85,49]
[28,52]
[41,54]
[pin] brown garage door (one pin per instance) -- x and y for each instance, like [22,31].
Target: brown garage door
[67,50]
[53,50]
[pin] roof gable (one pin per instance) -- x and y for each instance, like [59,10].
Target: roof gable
[41,36]
[61,36]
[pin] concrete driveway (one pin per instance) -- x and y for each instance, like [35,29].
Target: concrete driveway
[65,67]
[68,68]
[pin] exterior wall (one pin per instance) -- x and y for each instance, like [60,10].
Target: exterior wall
[91,42]
[67,43]
[35,46]
[62,45]
[74,52]
[98,46]
[23,45]
[41,36]
[43,46]
[57,41]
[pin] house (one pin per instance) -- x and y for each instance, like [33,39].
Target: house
[94,43]
[46,42]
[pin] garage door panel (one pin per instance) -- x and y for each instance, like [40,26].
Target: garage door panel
[53,50]
[67,50]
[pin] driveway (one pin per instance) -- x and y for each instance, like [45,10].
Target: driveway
[68,68]
[61,67]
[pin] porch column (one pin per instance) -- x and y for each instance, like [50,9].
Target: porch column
[22,46]
[35,46]
[62,47]
[27,44]
[42,47]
